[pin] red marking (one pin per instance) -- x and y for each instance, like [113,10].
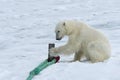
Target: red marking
[57,58]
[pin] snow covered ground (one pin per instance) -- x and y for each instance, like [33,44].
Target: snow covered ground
[27,26]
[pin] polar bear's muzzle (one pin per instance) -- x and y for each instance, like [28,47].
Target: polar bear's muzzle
[58,37]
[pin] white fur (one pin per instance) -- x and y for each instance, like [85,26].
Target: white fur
[83,41]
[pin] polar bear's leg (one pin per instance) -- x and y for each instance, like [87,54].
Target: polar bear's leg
[98,51]
[65,49]
[78,55]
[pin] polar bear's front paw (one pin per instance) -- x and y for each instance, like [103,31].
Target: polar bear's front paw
[53,52]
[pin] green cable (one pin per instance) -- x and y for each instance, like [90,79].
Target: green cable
[39,68]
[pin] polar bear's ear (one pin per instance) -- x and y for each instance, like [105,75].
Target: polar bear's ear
[63,23]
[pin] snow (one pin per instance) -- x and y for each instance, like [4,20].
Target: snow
[27,27]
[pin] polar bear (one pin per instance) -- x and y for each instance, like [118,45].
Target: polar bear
[83,40]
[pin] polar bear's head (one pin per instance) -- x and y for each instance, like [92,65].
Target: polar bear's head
[60,30]
[67,27]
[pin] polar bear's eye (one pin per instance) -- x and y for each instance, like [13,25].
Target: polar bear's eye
[64,24]
[58,31]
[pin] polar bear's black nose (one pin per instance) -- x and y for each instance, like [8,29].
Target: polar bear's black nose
[58,38]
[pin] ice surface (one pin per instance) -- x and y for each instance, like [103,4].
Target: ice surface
[27,26]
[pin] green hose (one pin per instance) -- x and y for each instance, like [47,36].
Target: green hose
[39,68]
